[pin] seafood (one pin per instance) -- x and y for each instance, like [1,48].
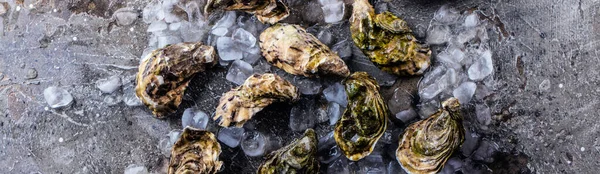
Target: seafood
[387,41]
[297,157]
[165,73]
[196,151]
[266,11]
[258,91]
[427,144]
[365,118]
[298,52]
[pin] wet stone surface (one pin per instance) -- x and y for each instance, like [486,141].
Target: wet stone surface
[532,111]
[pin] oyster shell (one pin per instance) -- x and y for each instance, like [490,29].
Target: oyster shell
[387,41]
[365,118]
[427,144]
[258,91]
[298,52]
[165,73]
[266,11]
[196,151]
[297,157]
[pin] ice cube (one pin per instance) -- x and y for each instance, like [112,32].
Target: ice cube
[194,118]
[372,164]
[112,99]
[306,85]
[406,115]
[334,111]
[464,92]
[471,142]
[438,34]
[482,67]
[333,12]
[441,83]
[339,166]
[219,31]
[175,26]
[227,49]
[227,20]
[428,108]
[325,36]
[57,97]
[168,40]
[343,49]
[251,58]
[253,143]
[136,169]
[109,85]
[239,72]
[244,38]
[451,58]
[471,20]
[231,136]
[157,26]
[336,93]
[446,15]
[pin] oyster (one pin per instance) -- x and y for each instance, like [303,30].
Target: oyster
[292,49]
[165,73]
[196,151]
[427,144]
[258,91]
[365,118]
[266,11]
[387,41]
[297,157]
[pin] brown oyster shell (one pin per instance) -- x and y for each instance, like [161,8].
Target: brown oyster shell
[266,11]
[298,52]
[196,151]
[365,118]
[297,157]
[387,41]
[258,91]
[427,144]
[165,73]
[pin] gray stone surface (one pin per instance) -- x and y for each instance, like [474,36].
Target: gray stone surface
[544,106]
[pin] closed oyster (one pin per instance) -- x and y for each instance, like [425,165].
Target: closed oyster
[266,11]
[365,118]
[387,41]
[297,157]
[165,73]
[196,151]
[258,91]
[427,144]
[292,49]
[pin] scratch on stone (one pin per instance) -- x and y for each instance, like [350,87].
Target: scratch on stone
[530,25]
[69,119]
[124,67]
[580,10]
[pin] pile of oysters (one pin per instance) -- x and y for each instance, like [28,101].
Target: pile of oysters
[384,38]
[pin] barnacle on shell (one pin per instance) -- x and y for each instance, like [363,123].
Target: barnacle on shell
[387,41]
[427,144]
[165,73]
[365,118]
[297,157]
[298,52]
[266,11]
[196,151]
[258,91]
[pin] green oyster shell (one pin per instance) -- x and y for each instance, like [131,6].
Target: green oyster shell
[387,41]
[427,144]
[297,157]
[365,118]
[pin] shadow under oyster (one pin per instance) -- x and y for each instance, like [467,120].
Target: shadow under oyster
[365,118]
[196,151]
[387,41]
[165,73]
[291,48]
[266,11]
[427,144]
[297,157]
[258,91]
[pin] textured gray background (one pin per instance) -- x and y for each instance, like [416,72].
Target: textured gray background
[556,128]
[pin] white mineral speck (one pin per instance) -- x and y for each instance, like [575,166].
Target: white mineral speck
[60,139]
[560,85]
[582,149]
[74,38]
[109,84]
